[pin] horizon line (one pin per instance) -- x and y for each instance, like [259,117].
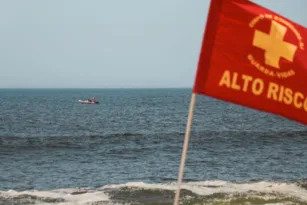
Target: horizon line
[30,88]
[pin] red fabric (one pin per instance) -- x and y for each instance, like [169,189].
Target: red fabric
[235,41]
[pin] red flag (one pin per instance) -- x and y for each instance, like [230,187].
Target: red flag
[254,57]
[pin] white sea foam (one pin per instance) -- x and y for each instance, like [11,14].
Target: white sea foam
[211,187]
[89,196]
[69,195]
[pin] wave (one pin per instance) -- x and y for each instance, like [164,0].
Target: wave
[57,142]
[86,141]
[202,192]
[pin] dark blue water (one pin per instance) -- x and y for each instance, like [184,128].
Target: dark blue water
[49,141]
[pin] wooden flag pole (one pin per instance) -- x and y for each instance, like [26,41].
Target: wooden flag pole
[185,147]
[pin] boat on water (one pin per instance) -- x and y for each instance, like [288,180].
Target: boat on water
[89,101]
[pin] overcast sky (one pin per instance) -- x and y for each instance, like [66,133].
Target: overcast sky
[107,43]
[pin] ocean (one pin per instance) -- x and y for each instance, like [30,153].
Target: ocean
[127,150]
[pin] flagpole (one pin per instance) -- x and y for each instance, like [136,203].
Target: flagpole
[185,147]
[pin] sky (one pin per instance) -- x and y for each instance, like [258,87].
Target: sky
[108,43]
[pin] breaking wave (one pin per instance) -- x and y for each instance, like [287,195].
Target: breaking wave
[205,192]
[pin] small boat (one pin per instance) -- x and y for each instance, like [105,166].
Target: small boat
[89,101]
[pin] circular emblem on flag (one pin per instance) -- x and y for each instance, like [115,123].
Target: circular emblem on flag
[275,43]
